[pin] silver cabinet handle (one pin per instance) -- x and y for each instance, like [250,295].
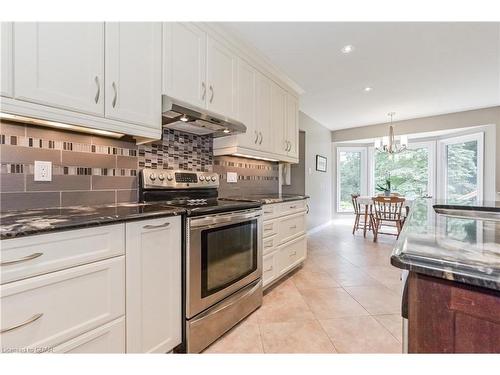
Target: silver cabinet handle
[294,206]
[256,137]
[204,87]
[260,142]
[289,145]
[20,260]
[293,227]
[269,244]
[268,212]
[307,207]
[268,227]
[164,225]
[98,93]
[113,103]
[293,254]
[30,320]
[286,145]
[212,91]
[269,269]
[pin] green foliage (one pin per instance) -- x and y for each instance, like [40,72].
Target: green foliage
[461,181]
[350,178]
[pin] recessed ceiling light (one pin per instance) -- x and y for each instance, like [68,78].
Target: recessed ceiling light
[347,49]
[367,89]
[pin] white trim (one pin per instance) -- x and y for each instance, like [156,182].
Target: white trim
[319,227]
[442,162]
[363,173]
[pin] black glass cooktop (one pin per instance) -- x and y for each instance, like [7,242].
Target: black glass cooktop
[196,205]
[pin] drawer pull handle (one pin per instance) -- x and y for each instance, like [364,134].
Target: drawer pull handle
[269,244]
[30,320]
[268,212]
[293,254]
[269,269]
[164,225]
[25,259]
[292,207]
[293,227]
[268,227]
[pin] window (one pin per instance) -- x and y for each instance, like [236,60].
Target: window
[351,175]
[410,172]
[461,163]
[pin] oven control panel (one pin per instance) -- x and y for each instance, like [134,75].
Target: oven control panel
[178,179]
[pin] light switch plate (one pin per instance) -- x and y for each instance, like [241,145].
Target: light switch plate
[232,177]
[43,170]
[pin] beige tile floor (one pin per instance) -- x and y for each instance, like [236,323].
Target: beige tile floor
[344,299]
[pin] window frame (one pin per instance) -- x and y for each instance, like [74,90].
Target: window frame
[442,162]
[363,177]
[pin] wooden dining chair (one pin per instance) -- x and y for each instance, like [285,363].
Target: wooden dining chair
[367,224]
[387,211]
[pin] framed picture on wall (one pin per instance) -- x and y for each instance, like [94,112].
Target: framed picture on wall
[320,163]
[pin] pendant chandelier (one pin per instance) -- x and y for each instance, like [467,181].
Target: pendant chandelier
[389,144]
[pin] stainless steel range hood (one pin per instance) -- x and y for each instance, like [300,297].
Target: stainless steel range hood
[185,117]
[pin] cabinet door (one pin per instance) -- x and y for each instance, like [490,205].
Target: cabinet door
[133,72]
[292,125]
[278,118]
[246,105]
[263,107]
[6,88]
[60,64]
[184,62]
[153,278]
[221,79]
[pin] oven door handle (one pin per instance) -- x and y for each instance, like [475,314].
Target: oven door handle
[235,298]
[222,219]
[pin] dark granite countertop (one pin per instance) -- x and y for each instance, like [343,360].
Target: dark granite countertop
[267,198]
[15,224]
[460,246]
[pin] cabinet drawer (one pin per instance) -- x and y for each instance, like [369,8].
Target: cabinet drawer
[269,211]
[35,255]
[290,227]
[108,338]
[288,208]
[269,244]
[269,228]
[291,254]
[269,269]
[71,302]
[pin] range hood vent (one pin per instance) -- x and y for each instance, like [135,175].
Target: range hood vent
[187,118]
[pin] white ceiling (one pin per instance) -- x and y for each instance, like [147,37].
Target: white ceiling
[415,69]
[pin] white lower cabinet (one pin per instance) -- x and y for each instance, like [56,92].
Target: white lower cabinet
[153,252]
[108,338]
[285,242]
[44,311]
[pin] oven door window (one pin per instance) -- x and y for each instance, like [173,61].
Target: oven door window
[228,254]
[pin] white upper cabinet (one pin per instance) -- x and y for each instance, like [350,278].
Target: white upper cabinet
[133,72]
[6,88]
[292,125]
[263,115]
[278,119]
[221,79]
[60,64]
[184,62]
[247,104]
[154,290]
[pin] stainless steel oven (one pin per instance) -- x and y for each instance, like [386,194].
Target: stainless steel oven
[224,270]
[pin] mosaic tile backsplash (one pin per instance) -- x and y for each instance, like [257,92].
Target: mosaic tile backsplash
[90,170]
[178,150]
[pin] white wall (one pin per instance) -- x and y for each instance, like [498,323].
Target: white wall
[318,185]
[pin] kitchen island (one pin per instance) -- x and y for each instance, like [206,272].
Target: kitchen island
[452,293]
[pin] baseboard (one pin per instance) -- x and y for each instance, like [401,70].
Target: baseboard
[319,227]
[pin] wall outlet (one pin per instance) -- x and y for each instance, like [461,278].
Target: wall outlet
[232,177]
[43,170]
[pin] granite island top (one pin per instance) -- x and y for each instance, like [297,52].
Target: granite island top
[15,224]
[267,198]
[458,242]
